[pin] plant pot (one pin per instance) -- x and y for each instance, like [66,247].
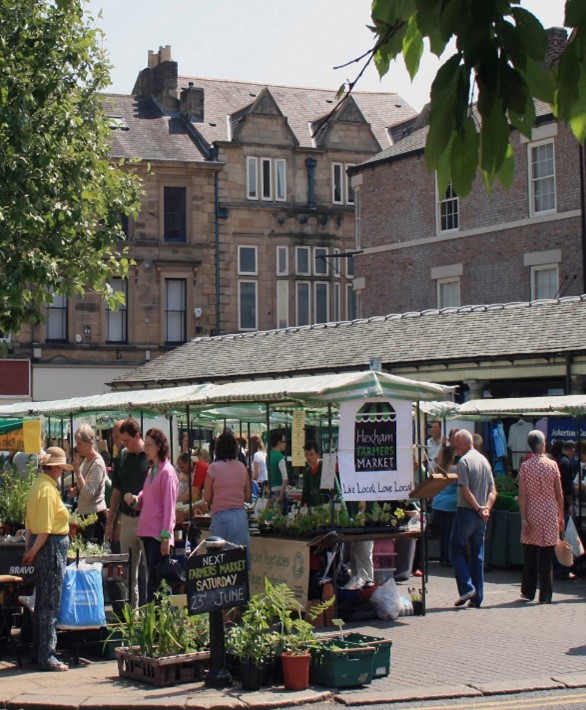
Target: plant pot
[295,670]
[251,676]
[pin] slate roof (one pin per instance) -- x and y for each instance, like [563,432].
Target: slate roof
[414,140]
[449,336]
[299,105]
[151,135]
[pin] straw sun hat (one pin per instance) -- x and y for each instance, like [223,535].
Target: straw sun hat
[54,456]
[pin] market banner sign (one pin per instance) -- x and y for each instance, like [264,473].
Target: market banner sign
[298,438]
[20,435]
[375,453]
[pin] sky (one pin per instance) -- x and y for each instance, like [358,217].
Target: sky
[295,43]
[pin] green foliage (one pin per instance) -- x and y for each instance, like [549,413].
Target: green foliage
[272,623]
[14,492]
[158,629]
[499,63]
[82,521]
[62,198]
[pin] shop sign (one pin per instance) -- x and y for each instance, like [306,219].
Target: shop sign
[375,453]
[216,580]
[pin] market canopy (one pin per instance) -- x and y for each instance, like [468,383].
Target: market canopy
[554,405]
[315,390]
[320,390]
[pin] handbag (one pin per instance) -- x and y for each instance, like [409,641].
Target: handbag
[571,536]
[170,570]
[563,552]
[82,597]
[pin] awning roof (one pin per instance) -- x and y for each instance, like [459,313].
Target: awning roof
[555,405]
[313,391]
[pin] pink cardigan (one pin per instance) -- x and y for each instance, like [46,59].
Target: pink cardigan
[156,502]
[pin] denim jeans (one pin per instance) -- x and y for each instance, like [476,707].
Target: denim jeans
[232,525]
[467,552]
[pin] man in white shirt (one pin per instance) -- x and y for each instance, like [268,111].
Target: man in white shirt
[433,446]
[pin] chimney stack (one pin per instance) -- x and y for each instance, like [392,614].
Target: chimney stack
[191,103]
[159,79]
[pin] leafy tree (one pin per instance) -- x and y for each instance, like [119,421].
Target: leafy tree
[61,198]
[498,63]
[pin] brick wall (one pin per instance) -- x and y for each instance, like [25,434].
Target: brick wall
[398,210]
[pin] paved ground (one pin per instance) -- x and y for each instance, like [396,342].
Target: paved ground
[506,646]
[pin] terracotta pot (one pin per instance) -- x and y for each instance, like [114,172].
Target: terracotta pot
[295,670]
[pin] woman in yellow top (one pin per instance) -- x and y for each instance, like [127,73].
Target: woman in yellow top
[46,544]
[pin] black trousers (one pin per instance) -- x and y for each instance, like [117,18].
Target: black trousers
[538,564]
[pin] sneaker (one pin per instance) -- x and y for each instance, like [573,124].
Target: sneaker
[461,600]
[523,598]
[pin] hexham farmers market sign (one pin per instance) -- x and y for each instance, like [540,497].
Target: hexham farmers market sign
[375,453]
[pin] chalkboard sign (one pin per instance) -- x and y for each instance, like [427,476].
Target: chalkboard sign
[216,580]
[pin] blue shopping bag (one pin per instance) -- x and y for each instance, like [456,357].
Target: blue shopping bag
[82,598]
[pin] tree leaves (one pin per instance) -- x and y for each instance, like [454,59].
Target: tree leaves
[61,198]
[500,52]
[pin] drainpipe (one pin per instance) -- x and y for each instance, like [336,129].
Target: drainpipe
[582,156]
[219,213]
[310,164]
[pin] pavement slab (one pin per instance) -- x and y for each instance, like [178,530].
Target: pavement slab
[504,647]
[521,685]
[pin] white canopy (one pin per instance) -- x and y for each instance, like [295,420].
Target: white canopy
[316,390]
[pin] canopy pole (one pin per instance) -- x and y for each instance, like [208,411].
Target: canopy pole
[191,477]
[423,507]
[171,441]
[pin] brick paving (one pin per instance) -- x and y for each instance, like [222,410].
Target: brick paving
[506,646]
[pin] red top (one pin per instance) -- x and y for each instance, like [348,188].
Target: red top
[200,472]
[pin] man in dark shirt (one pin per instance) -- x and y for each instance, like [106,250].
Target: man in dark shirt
[128,477]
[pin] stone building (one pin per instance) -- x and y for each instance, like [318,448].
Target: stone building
[422,250]
[246,223]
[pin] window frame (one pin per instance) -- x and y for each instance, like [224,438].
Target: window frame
[323,260]
[298,250]
[285,270]
[254,250]
[60,312]
[166,218]
[282,303]
[167,311]
[320,285]
[533,181]
[241,283]
[280,190]
[444,282]
[539,268]
[252,194]
[446,201]
[120,314]
[266,180]
[307,286]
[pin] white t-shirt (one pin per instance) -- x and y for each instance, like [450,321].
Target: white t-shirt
[260,457]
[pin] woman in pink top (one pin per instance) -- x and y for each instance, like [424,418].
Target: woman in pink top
[156,503]
[226,489]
